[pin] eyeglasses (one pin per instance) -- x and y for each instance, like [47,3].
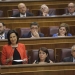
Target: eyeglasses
[34,27]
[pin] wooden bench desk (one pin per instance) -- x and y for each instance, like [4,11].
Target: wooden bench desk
[37,69]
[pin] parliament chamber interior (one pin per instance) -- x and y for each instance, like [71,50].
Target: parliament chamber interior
[58,47]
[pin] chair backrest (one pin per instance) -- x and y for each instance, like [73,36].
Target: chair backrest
[22,31]
[34,55]
[72,30]
[52,11]
[6,30]
[45,31]
[1,13]
[15,11]
[60,11]
[65,52]
[53,30]
[49,31]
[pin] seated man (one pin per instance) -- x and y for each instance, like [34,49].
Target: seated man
[23,12]
[3,35]
[71,9]
[71,58]
[45,11]
[34,31]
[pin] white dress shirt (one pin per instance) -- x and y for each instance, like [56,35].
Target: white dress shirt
[2,36]
[72,13]
[21,15]
[73,59]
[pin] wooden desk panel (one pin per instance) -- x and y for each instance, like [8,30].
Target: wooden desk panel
[13,23]
[43,69]
[6,6]
[35,3]
[49,42]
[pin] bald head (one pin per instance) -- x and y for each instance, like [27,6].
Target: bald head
[71,4]
[73,47]
[71,7]
[22,8]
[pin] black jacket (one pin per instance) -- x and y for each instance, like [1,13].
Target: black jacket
[68,59]
[18,14]
[28,35]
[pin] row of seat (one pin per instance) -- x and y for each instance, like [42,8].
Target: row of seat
[33,6]
[33,55]
[36,12]
[47,31]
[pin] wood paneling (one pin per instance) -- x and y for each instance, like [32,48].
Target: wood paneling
[13,23]
[31,5]
[43,69]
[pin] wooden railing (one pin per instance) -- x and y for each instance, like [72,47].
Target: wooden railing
[37,69]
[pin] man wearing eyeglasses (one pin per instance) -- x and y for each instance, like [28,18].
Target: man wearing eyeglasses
[71,9]
[72,57]
[34,31]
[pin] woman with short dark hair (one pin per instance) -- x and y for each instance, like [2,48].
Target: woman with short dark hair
[13,52]
[43,56]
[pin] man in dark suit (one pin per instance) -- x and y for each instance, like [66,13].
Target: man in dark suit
[23,12]
[70,9]
[34,31]
[3,34]
[71,58]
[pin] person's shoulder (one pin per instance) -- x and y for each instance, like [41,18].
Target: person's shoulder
[29,13]
[20,44]
[64,14]
[41,34]
[26,35]
[6,46]
[51,61]
[69,34]
[55,35]
[74,13]
[67,59]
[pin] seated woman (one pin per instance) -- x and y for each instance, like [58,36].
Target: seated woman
[63,31]
[43,56]
[13,52]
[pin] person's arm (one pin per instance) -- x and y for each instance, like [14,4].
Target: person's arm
[34,62]
[4,59]
[51,61]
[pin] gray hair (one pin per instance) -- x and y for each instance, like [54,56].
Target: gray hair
[44,5]
[72,47]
